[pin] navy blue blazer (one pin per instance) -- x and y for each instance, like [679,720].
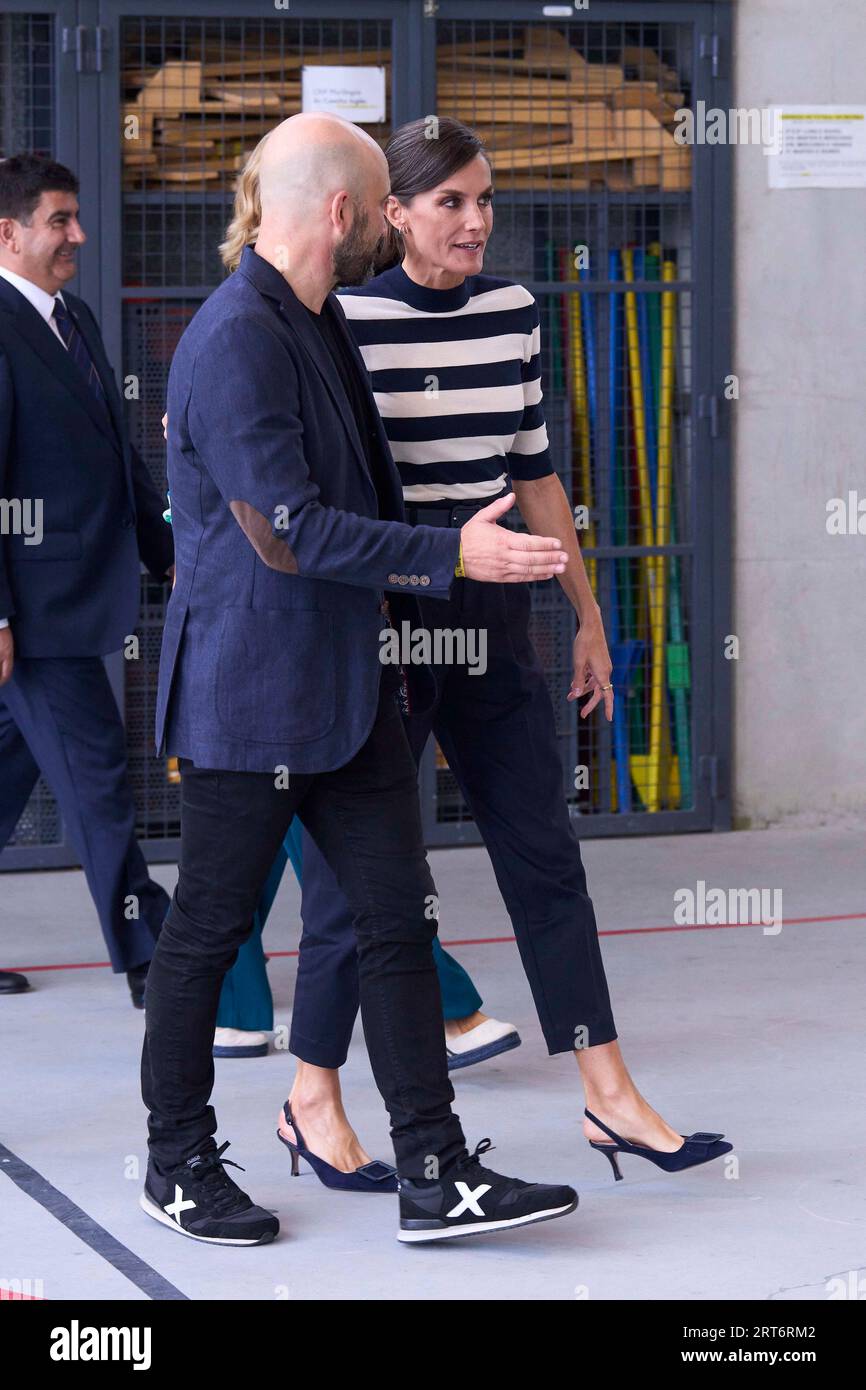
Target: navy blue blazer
[270,654]
[77,592]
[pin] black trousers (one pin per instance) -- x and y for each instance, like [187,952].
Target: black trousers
[498,732]
[366,821]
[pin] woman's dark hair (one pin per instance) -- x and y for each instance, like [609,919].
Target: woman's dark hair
[23,180]
[421,155]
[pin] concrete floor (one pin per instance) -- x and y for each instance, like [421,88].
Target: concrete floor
[758,1035]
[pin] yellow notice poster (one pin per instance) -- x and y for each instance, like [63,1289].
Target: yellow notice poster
[817,147]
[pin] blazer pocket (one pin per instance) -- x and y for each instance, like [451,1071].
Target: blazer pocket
[276,676]
[54,545]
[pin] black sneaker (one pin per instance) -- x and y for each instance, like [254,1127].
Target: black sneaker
[200,1200]
[469,1200]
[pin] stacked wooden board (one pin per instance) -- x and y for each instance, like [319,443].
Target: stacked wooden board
[550,118]
[193,122]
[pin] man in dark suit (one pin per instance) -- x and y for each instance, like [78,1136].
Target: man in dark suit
[287,515]
[77,510]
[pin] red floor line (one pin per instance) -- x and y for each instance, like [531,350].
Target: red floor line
[500,940]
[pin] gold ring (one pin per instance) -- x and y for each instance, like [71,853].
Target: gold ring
[607,687]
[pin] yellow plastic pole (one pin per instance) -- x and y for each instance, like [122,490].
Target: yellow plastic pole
[647,569]
[659,732]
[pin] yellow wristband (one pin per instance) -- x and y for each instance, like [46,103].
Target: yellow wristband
[458,568]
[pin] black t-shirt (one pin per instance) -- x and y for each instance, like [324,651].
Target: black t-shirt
[349,374]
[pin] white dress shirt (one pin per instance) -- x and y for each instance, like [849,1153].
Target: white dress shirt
[43,303]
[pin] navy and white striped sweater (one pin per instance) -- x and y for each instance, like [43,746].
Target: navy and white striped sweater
[457,380]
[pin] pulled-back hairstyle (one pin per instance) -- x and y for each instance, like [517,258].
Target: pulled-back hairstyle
[421,155]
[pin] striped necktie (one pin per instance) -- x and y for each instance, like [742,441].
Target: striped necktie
[78,350]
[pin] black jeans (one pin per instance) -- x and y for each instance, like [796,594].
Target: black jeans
[366,820]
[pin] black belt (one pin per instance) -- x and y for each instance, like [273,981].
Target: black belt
[446,513]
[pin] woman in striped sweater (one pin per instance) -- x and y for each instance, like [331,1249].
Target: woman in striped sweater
[454,358]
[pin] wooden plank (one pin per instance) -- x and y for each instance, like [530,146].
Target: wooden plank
[542,45]
[592,126]
[493,89]
[190,175]
[645,95]
[519,113]
[187,140]
[534,181]
[507,136]
[640,133]
[257,98]
[592,81]
[646,173]
[558,155]
[181,132]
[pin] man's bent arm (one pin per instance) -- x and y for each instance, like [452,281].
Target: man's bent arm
[245,425]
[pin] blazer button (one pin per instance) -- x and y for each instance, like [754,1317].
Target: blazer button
[413,579]
[403,579]
[393,579]
[424,579]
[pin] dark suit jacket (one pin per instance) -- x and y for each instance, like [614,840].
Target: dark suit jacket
[271,646]
[76,593]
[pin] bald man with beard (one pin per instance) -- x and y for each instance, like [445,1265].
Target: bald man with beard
[289,532]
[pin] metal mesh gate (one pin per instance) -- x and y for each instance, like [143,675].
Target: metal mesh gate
[595,214]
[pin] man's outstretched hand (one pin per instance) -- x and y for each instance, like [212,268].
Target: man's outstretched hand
[498,556]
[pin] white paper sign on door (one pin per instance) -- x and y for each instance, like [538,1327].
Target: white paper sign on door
[818,147]
[358,93]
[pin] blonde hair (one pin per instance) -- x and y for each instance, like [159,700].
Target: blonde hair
[243,230]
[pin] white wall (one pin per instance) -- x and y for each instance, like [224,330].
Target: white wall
[799,434]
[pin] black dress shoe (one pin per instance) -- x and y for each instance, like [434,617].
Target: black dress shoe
[10,983]
[136,979]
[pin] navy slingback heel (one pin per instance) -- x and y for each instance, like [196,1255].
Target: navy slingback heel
[370,1177]
[696,1148]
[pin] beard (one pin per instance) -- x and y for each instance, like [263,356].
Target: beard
[355,258]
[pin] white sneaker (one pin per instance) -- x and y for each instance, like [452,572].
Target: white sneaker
[485,1040]
[233,1042]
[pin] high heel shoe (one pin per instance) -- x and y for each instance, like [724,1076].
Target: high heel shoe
[370,1177]
[696,1148]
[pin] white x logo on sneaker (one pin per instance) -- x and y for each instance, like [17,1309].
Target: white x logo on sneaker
[470,1199]
[175,1208]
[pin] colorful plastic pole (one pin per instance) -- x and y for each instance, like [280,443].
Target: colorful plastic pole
[659,729]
